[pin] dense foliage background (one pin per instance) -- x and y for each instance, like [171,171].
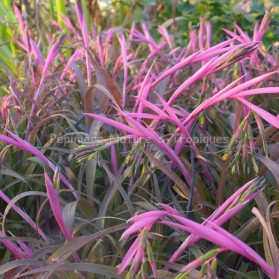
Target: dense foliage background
[160,113]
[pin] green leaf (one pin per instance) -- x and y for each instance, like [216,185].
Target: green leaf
[147,2]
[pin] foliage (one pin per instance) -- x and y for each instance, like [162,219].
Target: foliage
[7,48]
[103,127]
[221,14]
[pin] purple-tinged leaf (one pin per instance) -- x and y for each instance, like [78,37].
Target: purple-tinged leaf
[246,250]
[153,107]
[198,56]
[54,50]
[16,251]
[268,117]
[222,238]
[226,93]
[208,34]
[193,40]
[195,77]
[100,51]
[168,208]
[202,259]
[125,65]
[139,256]
[37,53]
[264,24]
[201,35]
[265,90]
[149,214]
[22,144]
[140,224]
[255,33]
[147,115]
[271,165]
[55,206]
[23,30]
[242,34]
[116,124]
[155,138]
[219,216]
[152,45]
[163,31]
[25,216]
[114,163]
[185,134]
[77,55]
[144,92]
[70,26]
[129,255]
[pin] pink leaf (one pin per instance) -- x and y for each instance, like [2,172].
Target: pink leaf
[55,206]
[268,117]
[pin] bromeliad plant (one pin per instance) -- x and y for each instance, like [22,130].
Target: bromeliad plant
[103,126]
[210,230]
